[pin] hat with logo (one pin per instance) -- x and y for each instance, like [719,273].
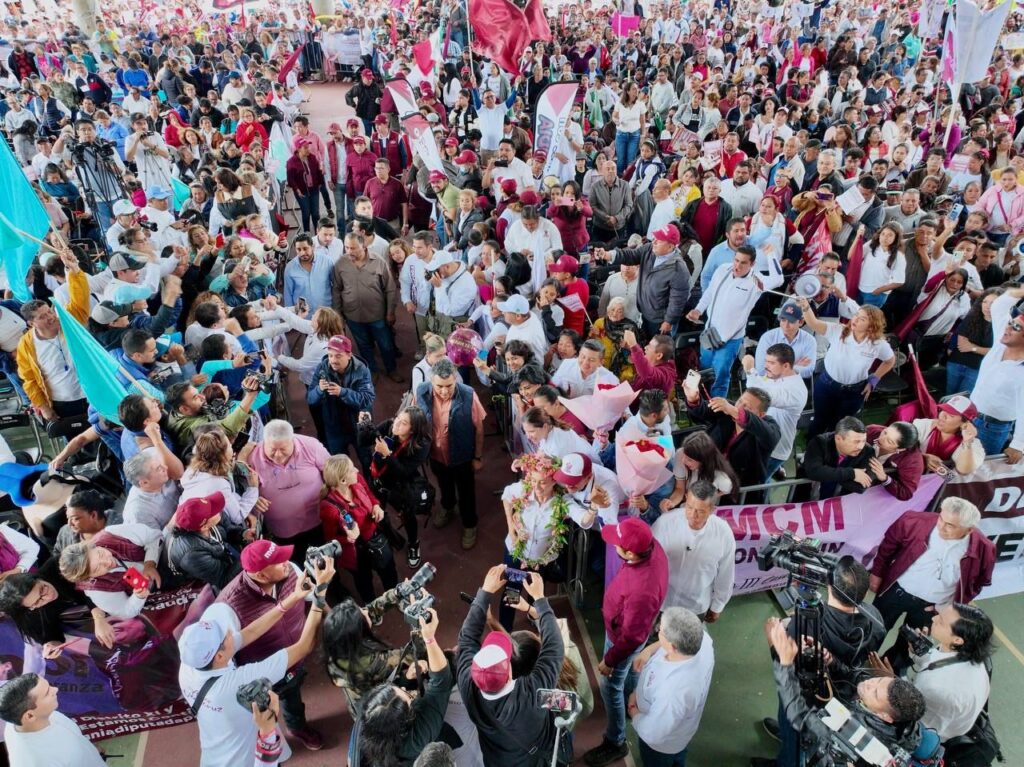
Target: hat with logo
[441,258]
[351,122]
[960,405]
[451,141]
[667,233]
[124,208]
[263,553]
[437,175]
[340,344]
[380,120]
[119,262]
[360,140]
[195,511]
[491,669]
[364,72]
[200,642]
[575,467]
[630,534]
[791,312]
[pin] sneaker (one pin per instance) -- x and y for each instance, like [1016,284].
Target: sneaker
[308,737]
[469,538]
[443,517]
[771,726]
[760,761]
[412,555]
[606,753]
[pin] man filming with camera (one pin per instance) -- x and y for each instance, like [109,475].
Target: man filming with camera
[98,168]
[888,709]
[210,676]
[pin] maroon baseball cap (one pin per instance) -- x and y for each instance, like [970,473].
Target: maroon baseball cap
[529,197]
[565,263]
[195,511]
[437,175]
[262,554]
[380,120]
[492,664]
[468,157]
[451,141]
[351,121]
[631,534]
[340,344]
[667,233]
[508,185]
[961,406]
[366,72]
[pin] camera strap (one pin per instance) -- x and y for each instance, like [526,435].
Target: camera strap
[203,691]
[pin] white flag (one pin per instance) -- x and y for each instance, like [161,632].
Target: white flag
[421,137]
[977,33]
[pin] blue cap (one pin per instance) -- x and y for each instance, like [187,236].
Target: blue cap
[157,192]
[163,343]
[234,73]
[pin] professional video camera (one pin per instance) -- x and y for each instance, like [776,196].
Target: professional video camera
[845,739]
[412,596]
[101,148]
[802,558]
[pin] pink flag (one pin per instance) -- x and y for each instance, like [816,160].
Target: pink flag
[424,56]
[819,244]
[624,24]
[948,54]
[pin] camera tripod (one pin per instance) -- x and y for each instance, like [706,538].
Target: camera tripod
[810,661]
[90,179]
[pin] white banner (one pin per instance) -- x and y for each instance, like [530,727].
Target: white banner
[401,92]
[421,137]
[553,108]
[977,33]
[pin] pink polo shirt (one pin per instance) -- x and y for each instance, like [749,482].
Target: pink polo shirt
[293,488]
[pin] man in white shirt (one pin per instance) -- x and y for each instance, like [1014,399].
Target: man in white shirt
[592,486]
[37,734]
[581,374]
[789,398]
[507,165]
[701,551]
[153,497]
[125,217]
[743,195]
[534,236]
[169,231]
[999,390]
[456,293]
[952,675]
[675,676]
[209,678]
[524,325]
[664,211]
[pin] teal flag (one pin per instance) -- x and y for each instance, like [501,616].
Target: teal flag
[181,192]
[17,199]
[97,370]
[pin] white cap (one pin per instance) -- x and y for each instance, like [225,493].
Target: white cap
[201,641]
[515,304]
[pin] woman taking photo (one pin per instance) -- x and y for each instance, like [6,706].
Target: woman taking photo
[570,214]
[630,119]
[884,266]
[847,380]
[397,469]
[973,340]
[350,514]
[699,459]
[213,469]
[950,439]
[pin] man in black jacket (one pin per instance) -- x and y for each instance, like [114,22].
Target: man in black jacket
[197,548]
[514,730]
[744,431]
[839,460]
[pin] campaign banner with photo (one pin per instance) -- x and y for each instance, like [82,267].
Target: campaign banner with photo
[109,692]
[997,489]
[424,145]
[553,108]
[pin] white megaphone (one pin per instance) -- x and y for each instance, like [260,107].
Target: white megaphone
[804,286]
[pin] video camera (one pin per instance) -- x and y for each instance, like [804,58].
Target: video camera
[103,149]
[412,597]
[846,739]
[802,558]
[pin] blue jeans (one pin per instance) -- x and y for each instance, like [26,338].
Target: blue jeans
[366,335]
[615,689]
[342,207]
[773,466]
[960,378]
[104,213]
[789,741]
[993,436]
[873,300]
[309,204]
[651,758]
[721,361]
[626,147]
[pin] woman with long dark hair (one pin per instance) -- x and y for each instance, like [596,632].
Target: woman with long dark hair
[401,446]
[700,459]
[884,265]
[973,340]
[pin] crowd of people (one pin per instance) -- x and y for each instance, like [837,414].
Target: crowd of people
[758,219]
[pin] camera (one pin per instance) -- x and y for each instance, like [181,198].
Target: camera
[148,225]
[317,556]
[413,598]
[802,558]
[266,382]
[257,691]
[514,585]
[557,701]
[919,644]
[845,739]
[217,404]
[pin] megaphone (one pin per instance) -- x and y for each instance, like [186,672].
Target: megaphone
[806,286]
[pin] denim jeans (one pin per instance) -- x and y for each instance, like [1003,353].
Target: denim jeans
[721,361]
[651,758]
[773,466]
[366,335]
[873,300]
[342,207]
[104,213]
[960,378]
[993,436]
[626,147]
[309,204]
[615,689]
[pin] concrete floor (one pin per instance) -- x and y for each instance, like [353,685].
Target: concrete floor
[742,691]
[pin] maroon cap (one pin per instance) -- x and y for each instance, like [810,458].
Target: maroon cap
[352,121]
[529,197]
[961,406]
[451,141]
[366,72]
[508,185]
[565,263]
[491,669]
[426,89]
[436,175]
[380,120]
[667,233]
[540,156]
[334,127]
[195,511]
[359,139]
[467,157]
[339,344]
[631,534]
[262,554]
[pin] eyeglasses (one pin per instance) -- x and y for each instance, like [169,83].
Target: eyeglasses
[1016,327]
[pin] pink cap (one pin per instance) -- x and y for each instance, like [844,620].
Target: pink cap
[340,344]
[667,233]
[492,665]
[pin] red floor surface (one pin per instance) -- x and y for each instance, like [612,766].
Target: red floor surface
[457,570]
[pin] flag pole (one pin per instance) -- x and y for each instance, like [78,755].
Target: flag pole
[469,43]
[35,239]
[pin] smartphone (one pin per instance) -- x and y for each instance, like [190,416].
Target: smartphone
[559,701]
[219,242]
[135,579]
[823,195]
[514,585]
[301,305]
[347,520]
[693,380]
[955,211]
[482,355]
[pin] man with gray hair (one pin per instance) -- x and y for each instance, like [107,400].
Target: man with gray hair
[153,497]
[457,441]
[927,561]
[675,675]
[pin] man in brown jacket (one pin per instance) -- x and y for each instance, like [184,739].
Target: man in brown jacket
[366,295]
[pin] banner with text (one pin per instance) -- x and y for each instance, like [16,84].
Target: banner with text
[997,489]
[553,108]
[401,92]
[424,145]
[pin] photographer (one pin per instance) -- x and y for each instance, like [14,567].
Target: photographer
[888,708]
[213,655]
[148,151]
[98,168]
[394,728]
[341,389]
[514,731]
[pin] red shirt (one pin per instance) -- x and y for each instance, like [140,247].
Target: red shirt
[730,161]
[705,223]
[387,198]
[574,320]
[331,510]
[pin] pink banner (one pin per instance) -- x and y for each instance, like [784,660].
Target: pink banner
[401,92]
[553,108]
[623,24]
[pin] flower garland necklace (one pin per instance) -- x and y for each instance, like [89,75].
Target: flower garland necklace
[557,524]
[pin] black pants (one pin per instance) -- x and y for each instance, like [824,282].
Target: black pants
[891,605]
[289,690]
[458,486]
[302,541]
[363,574]
[833,401]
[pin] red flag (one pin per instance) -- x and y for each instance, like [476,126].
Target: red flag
[819,244]
[853,268]
[424,56]
[924,405]
[394,29]
[933,286]
[289,64]
[502,30]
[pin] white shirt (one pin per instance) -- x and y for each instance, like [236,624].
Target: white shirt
[227,732]
[560,442]
[935,574]
[944,311]
[729,300]
[117,604]
[58,368]
[413,285]
[12,328]
[618,287]
[999,390]
[535,518]
[701,563]
[789,398]
[60,744]
[544,239]
[954,694]
[518,170]
[663,214]
[570,380]
[670,697]
[532,334]
[27,548]
[743,199]
[875,271]
[609,482]
[848,362]
[491,121]
[332,252]
[458,295]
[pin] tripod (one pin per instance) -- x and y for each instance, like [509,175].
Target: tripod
[810,661]
[100,176]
